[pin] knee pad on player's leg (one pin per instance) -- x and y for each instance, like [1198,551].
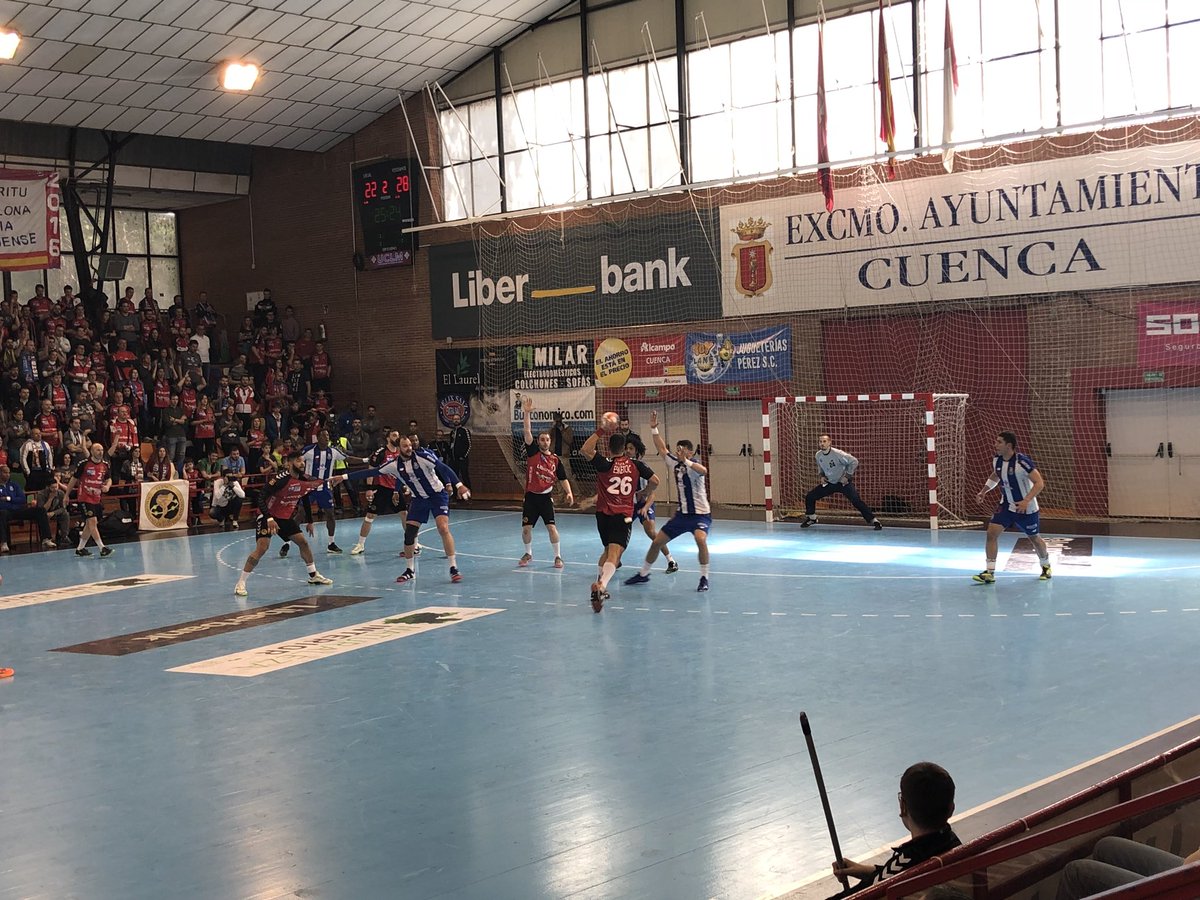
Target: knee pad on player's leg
[411,530]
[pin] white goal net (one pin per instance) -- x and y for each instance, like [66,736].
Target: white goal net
[911,447]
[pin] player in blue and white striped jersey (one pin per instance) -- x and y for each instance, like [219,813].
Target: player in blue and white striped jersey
[1020,482]
[319,459]
[429,480]
[694,514]
[635,449]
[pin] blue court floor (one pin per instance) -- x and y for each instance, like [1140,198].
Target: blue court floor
[542,751]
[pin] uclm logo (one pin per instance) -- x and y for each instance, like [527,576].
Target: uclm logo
[1167,324]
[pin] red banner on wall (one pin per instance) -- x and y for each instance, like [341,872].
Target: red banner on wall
[1168,334]
[641,362]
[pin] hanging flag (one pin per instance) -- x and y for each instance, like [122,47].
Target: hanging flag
[949,89]
[823,173]
[887,110]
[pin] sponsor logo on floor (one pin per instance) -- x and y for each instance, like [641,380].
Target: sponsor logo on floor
[1075,551]
[122,644]
[71,591]
[284,655]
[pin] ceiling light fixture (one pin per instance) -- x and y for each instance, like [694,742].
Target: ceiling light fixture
[8,44]
[237,76]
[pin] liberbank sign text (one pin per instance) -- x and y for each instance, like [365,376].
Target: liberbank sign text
[636,272]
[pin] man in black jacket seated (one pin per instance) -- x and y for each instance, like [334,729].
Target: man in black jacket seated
[926,804]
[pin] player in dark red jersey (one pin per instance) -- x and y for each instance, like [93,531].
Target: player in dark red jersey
[387,496]
[617,499]
[92,478]
[542,470]
[277,506]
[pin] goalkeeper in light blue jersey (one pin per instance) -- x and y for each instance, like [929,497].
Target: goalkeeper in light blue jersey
[837,469]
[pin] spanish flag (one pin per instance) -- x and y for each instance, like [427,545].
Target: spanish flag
[887,109]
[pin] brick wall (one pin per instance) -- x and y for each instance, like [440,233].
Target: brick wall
[297,234]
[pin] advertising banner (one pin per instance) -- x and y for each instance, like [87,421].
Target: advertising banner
[1168,334]
[29,235]
[500,412]
[458,378]
[1083,223]
[640,362]
[551,367]
[457,371]
[163,505]
[491,412]
[738,358]
[577,406]
[454,408]
[633,272]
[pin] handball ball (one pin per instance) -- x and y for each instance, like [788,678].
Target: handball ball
[609,422]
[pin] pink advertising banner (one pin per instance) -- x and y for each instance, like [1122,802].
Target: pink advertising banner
[1169,334]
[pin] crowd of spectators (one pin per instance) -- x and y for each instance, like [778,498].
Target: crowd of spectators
[165,392]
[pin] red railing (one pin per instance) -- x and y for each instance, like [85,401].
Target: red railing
[1167,798]
[1176,884]
[967,858]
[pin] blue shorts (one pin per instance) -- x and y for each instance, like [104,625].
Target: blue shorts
[1026,522]
[419,509]
[646,515]
[322,499]
[681,523]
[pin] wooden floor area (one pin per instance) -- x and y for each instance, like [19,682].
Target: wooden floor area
[496,739]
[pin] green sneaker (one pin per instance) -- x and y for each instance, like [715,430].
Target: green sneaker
[984,577]
[1045,576]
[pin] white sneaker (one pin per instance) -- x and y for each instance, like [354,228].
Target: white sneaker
[358,549]
[239,590]
[318,578]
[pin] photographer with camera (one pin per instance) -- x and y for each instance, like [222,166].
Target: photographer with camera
[227,498]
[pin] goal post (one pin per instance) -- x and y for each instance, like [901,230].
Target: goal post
[911,448]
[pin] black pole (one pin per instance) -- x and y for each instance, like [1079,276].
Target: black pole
[812,755]
[585,68]
[498,94]
[681,79]
[71,206]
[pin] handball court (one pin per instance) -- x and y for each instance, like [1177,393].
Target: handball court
[496,739]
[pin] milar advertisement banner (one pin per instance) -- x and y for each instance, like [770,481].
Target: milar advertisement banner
[640,362]
[740,357]
[29,235]
[541,367]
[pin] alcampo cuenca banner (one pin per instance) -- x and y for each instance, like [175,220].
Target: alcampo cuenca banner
[1109,220]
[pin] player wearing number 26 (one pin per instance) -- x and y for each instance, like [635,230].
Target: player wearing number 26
[616,497]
